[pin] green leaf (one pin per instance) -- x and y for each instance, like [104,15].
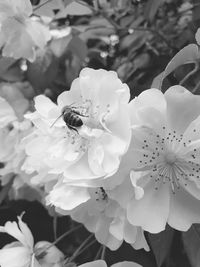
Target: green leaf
[5,190]
[78,47]
[189,54]
[191,241]
[47,8]
[151,8]
[43,71]
[10,70]
[59,46]
[76,9]
[161,243]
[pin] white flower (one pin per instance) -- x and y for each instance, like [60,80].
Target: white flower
[12,131]
[99,214]
[20,253]
[23,253]
[92,150]
[102,263]
[165,155]
[8,136]
[52,257]
[20,35]
[13,95]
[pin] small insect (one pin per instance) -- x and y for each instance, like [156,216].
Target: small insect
[71,117]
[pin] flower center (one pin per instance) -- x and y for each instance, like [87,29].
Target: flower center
[170,158]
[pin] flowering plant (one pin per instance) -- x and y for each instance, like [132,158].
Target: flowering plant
[104,151]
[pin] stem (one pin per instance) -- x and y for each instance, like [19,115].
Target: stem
[39,6]
[196,87]
[190,74]
[86,247]
[103,253]
[55,220]
[76,253]
[60,238]
[98,253]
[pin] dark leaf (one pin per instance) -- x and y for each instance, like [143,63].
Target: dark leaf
[43,71]
[151,8]
[78,47]
[47,8]
[10,70]
[161,243]
[5,190]
[133,41]
[59,46]
[76,9]
[189,54]
[191,241]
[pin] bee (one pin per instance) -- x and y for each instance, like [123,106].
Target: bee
[71,117]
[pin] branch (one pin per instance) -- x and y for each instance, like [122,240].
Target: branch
[103,253]
[190,74]
[76,253]
[60,238]
[196,87]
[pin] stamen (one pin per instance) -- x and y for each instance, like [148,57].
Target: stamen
[162,156]
[101,194]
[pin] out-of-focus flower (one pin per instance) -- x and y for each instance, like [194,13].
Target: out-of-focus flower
[164,154]
[99,214]
[7,133]
[22,253]
[12,130]
[102,263]
[100,100]
[20,34]
[12,94]
[19,253]
[52,257]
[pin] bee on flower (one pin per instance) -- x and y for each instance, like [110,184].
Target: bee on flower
[84,135]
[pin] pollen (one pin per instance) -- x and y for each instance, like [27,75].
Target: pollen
[101,194]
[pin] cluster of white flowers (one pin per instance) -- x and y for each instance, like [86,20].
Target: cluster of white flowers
[115,165]
[118,166]
[126,162]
